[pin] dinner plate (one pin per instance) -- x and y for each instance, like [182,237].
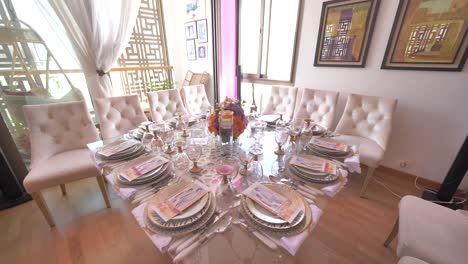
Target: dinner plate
[309,172]
[136,151]
[206,217]
[318,130]
[327,154]
[162,175]
[310,178]
[264,217]
[149,174]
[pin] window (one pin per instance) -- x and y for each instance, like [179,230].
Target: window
[267,40]
[144,64]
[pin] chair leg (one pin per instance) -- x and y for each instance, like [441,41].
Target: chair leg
[102,186]
[370,171]
[392,234]
[39,199]
[64,191]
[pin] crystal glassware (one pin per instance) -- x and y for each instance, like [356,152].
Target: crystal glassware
[256,130]
[281,135]
[194,152]
[157,144]
[167,135]
[281,122]
[295,128]
[255,171]
[147,137]
[181,161]
[182,124]
[244,156]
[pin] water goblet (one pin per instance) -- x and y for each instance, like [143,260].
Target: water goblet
[281,135]
[167,136]
[256,129]
[194,152]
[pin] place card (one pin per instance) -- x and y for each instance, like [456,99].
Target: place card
[111,149]
[273,202]
[176,203]
[142,168]
[314,163]
[329,144]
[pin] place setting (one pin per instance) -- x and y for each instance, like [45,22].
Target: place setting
[120,150]
[329,148]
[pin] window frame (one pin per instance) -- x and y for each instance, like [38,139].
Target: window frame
[259,77]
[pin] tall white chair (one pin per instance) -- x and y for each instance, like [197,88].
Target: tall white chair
[59,134]
[367,122]
[166,104]
[118,115]
[196,99]
[317,105]
[282,99]
[430,233]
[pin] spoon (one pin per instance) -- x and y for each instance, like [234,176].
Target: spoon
[220,228]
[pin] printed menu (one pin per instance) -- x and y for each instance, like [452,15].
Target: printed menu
[329,144]
[274,202]
[142,168]
[177,202]
[112,149]
[314,163]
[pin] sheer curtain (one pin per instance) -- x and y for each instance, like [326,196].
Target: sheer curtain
[98,30]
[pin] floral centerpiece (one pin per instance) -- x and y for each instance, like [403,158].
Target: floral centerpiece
[240,121]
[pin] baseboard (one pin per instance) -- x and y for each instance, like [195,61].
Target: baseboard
[422,181]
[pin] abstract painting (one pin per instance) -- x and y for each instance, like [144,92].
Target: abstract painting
[194,9]
[428,35]
[191,51]
[345,32]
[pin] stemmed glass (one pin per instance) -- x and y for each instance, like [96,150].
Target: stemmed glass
[255,171]
[157,144]
[181,161]
[182,124]
[226,192]
[256,130]
[194,152]
[167,136]
[295,128]
[281,122]
[245,157]
[147,136]
[281,135]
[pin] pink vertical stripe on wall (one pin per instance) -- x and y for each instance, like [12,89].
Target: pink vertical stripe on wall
[228,56]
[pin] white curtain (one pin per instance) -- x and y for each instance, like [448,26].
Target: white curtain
[99,30]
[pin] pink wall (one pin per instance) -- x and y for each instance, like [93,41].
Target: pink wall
[227,58]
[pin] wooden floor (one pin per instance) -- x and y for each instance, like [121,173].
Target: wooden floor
[352,229]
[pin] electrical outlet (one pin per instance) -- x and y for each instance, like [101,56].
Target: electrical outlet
[403,164]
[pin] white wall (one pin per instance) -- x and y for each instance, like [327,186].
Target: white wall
[174,20]
[431,120]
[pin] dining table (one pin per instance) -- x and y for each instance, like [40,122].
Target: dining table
[237,241]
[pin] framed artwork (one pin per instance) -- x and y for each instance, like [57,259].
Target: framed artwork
[194,9]
[190,46]
[428,35]
[190,30]
[202,31]
[202,51]
[345,32]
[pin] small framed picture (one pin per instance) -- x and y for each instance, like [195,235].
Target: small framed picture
[202,51]
[191,53]
[202,31]
[190,30]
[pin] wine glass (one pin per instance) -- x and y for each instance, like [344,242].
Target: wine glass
[226,192]
[256,129]
[157,144]
[147,137]
[167,136]
[281,135]
[255,171]
[181,161]
[182,123]
[295,128]
[281,122]
[244,156]
[194,152]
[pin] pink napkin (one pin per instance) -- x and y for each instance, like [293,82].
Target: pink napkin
[124,193]
[293,243]
[354,162]
[332,190]
[160,241]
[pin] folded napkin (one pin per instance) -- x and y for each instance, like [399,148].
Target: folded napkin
[354,162]
[160,241]
[293,243]
[124,193]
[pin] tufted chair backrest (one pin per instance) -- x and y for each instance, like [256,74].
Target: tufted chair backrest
[282,99]
[117,115]
[317,105]
[165,104]
[56,128]
[196,99]
[369,117]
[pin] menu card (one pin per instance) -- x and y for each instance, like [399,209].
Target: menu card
[329,144]
[177,202]
[111,149]
[314,163]
[142,168]
[274,202]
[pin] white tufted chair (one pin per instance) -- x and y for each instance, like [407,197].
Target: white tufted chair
[317,105]
[165,104]
[59,134]
[118,115]
[367,122]
[282,99]
[196,100]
